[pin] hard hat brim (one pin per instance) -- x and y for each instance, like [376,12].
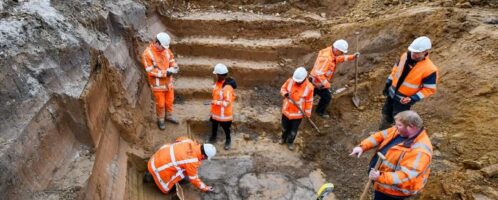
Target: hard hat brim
[298,80]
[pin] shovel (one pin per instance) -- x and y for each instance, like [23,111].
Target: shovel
[369,182]
[356,100]
[304,114]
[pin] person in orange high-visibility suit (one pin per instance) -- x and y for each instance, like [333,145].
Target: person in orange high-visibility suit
[323,71]
[222,104]
[408,152]
[412,79]
[160,65]
[177,161]
[299,89]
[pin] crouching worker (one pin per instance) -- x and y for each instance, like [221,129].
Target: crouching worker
[177,161]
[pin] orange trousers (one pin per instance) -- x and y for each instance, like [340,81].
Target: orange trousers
[164,102]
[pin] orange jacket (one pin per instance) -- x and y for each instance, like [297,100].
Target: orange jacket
[168,170]
[324,67]
[222,103]
[419,83]
[406,168]
[156,63]
[301,94]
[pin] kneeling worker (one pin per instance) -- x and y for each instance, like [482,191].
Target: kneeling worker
[176,161]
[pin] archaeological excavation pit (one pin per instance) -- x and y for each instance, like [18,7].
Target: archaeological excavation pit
[78,117]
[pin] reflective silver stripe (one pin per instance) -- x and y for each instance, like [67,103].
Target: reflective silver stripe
[432,86]
[159,73]
[157,82]
[422,145]
[345,58]
[156,172]
[384,134]
[392,187]
[159,87]
[420,95]
[401,65]
[396,179]
[411,173]
[373,141]
[388,164]
[193,177]
[308,111]
[298,114]
[289,87]
[409,85]
[222,117]
[152,57]
[181,162]
[390,77]
[417,160]
[166,51]
[149,68]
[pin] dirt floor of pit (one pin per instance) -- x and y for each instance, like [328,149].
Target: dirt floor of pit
[87,96]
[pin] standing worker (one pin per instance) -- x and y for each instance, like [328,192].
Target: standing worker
[412,79]
[300,90]
[324,69]
[408,152]
[176,161]
[160,65]
[222,104]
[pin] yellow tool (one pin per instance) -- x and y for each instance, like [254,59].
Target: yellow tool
[324,191]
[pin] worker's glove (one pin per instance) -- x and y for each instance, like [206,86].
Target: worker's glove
[286,95]
[405,100]
[356,55]
[374,174]
[357,151]
[172,70]
[209,189]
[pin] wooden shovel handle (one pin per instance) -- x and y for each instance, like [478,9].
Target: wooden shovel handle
[369,182]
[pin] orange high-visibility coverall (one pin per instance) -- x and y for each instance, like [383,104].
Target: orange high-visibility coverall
[173,162]
[156,62]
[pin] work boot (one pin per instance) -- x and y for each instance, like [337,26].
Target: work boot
[290,146]
[324,115]
[170,118]
[161,125]
[228,145]
[282,141]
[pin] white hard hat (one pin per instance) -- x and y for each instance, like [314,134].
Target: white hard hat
[163,39]
[341,45]
[299,74]
[209,150]
[220,69]
[420,44]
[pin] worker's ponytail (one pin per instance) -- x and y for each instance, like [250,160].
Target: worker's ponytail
[230,81]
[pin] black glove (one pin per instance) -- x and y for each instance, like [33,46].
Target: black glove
[286,95]
[168,73]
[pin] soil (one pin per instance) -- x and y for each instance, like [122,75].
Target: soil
[78,118]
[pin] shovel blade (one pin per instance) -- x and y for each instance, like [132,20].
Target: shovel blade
[356,101]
